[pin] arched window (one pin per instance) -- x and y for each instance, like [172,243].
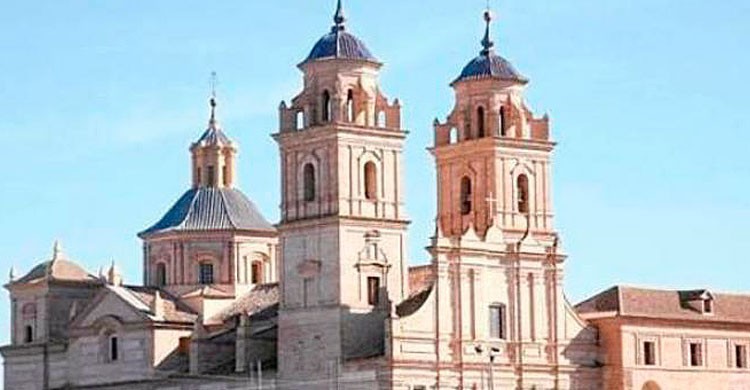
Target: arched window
[28,334]
[371,181]
[300,120]
[198,176]
[501,120]
[161,274]
[480,122]
[211,176]
[465,195]
[327,111]
[453,135]
[225,175]
[206,273]
[308,173]
[257,272]
[522,190]
[350,106]
[381,119]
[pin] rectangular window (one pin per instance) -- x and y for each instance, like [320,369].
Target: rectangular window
[206,273]
[696,354]
[257,272]
[113,349]
[225,175]
[28,334]
[649,353]
[307,284]
[373,290]
[740,356]
[708,306]
[497,321]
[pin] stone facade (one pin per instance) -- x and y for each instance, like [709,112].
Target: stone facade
[326,299]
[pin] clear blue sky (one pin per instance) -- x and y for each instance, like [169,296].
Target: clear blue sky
[648,99]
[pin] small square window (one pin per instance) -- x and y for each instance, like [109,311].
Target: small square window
[649,353]
[696,354]
[740,356]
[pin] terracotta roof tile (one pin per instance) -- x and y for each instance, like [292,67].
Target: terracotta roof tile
[262,299]
[173,309]
[668,304]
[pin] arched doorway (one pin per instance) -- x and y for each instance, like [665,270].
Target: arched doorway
[651,385]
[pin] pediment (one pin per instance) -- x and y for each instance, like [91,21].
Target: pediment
[109,304]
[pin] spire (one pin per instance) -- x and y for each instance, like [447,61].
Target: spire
[339,18]
[57,252]
[487,43]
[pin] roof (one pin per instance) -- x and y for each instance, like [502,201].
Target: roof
[213,136]
[667,304]
[58,268]
[490,66]
[262,300]
[142,298]
[208,208]
[339,44]
[411,304]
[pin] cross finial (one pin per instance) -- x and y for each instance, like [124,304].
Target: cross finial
[212,101]
[487,43]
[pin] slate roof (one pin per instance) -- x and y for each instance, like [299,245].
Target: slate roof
[490,65]
[213,136]
[667,304]
[339,44]
[208,208]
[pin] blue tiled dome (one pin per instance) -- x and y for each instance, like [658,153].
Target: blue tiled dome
[340,44]
[205,208]
[490,65]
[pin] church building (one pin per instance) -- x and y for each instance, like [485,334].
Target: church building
[326,297]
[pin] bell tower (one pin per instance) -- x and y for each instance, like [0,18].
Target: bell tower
[343,224]
[493,157]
